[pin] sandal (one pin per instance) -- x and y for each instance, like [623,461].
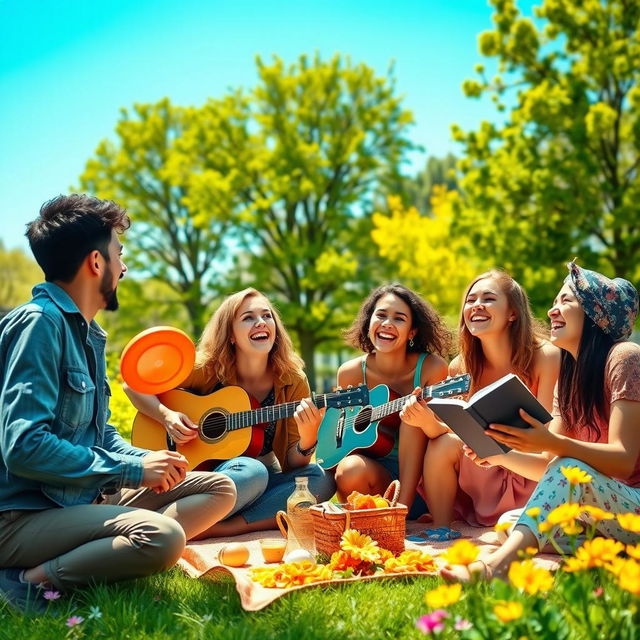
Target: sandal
[439,534]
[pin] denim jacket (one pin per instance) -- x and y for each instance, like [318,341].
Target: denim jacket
[56,448]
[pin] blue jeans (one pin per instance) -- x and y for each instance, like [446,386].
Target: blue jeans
[263,492]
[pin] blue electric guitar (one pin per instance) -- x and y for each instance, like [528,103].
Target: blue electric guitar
[355,429]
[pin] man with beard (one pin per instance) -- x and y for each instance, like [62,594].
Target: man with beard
[78,504]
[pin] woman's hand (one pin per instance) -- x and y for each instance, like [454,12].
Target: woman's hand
[308,418]
[489,461]
[415,412]
[534,440]
[179,427]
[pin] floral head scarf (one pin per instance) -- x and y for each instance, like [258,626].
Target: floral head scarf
[611,304]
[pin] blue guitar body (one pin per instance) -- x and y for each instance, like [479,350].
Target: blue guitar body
[349,430]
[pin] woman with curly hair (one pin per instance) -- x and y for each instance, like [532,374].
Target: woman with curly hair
[246,344]
[404,342]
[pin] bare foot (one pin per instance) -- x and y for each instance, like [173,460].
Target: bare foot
[477,570]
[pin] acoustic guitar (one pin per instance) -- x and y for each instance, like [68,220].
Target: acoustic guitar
[355,429]
[229,421]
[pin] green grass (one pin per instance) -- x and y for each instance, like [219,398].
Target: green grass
[174,606]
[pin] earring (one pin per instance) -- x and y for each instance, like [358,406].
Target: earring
[411,342]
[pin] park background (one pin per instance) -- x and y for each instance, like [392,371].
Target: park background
[315,150]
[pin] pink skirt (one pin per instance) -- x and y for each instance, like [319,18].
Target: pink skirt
[484,494]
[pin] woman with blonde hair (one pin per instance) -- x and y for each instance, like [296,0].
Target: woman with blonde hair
[497,336]
[246,344]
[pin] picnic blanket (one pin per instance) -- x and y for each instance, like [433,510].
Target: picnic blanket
[200,559]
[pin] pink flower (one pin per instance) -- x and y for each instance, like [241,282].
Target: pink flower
[74,620]
[462,625]
[432,622]
[51,595]
[598,592]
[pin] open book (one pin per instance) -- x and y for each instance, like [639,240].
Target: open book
[497,403]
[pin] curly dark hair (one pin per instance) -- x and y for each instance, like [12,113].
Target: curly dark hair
[69,228]
[432,335]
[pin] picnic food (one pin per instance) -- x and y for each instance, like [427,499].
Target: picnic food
[300,555]
[234,554]
[273,549]
[357,500]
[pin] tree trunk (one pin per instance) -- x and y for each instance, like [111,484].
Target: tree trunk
[307,351]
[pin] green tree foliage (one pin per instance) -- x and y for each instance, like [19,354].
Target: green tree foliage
[172,239]
[559,176]
[18,274]
[301,157]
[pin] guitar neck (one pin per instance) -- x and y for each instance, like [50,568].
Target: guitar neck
[393,406]
[263,415]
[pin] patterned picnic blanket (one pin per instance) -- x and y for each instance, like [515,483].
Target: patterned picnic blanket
[200,559]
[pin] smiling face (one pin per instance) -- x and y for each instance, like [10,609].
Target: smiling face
[390,324]
[567,320]
[254,328]
[486,308]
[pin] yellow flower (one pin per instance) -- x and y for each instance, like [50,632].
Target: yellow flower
[598,552]
[443,596]
[534,512]
[629,521]
[596,514]
[575,475]
[410,561]
[572,529]
[508,611]
[461,552]
[527,576]
[629,576]
[633,552]
[359,546]
[573,564]
[564,514]
[544,527]
[503,526]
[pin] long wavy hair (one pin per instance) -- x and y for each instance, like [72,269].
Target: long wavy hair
[216,353]
[526,334]
[431,336]
[581,383]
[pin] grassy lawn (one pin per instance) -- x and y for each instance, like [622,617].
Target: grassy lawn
[174,606]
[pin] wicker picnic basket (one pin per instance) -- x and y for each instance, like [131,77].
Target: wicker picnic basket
[386,525]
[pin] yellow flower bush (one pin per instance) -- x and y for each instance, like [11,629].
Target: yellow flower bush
[527,576]
[508,611]
[443,596]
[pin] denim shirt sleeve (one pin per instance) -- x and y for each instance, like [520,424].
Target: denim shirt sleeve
[115,443]
[29,393]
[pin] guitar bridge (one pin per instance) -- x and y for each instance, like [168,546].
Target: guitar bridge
[340,428]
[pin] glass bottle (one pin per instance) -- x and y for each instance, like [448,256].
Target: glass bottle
[300,518]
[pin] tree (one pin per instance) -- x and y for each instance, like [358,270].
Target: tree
[422,252]
[303,153]
[18,274]
[172,238]
[559,176]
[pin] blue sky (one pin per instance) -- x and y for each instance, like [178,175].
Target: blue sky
[67,66]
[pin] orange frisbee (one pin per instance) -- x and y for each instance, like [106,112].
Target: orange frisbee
[157,360]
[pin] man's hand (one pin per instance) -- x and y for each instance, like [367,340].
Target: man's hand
[163,470]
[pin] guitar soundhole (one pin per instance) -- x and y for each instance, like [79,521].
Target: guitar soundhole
[362,419]
[214,426]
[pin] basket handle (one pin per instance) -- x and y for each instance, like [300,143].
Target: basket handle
[393,490]
[283,524]
[347,517]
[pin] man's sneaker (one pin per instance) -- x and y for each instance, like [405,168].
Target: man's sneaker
[23,596]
